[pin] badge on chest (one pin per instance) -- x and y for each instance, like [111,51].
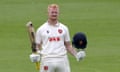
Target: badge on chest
[54,36]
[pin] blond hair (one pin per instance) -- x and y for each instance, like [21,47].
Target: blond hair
[53,6]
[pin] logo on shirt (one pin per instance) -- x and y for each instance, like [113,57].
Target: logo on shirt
[54,39]
[47,31]
[60,31]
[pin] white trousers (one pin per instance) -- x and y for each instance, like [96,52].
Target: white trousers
[60,64]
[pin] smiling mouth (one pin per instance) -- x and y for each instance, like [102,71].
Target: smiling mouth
[54,16]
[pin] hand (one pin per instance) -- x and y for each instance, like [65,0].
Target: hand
[80,55]
[34,57]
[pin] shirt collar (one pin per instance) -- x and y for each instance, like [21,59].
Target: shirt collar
[57,24]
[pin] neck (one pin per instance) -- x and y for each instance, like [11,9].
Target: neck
[52,22]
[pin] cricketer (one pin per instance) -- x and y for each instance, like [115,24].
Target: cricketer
[53,42]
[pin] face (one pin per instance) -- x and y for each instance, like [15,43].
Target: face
[53,13]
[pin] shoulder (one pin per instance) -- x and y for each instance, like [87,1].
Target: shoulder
[64,26]
[42,27]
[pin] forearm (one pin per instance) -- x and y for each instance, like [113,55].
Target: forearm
[78,55]
[38,46]
[71,50]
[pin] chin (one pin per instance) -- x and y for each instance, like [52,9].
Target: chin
[54,18]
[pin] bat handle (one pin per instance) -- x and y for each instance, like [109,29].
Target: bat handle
[38,65]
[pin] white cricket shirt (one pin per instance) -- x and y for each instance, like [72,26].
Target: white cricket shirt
[52,39]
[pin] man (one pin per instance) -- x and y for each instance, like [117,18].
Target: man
[53,40]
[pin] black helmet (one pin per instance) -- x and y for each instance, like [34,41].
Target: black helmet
[79,40]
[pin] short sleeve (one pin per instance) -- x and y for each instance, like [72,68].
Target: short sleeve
[67,35]
[38,37]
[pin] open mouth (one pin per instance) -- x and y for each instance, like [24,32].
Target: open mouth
[54,15]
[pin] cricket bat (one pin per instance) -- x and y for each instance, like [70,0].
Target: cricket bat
[31,32]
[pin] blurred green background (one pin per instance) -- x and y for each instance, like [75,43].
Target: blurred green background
[99,19]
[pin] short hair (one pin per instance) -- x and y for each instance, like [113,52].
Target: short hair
[54,6]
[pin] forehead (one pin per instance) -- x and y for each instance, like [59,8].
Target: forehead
[51,9]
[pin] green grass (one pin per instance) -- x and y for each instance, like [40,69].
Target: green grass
[99,19]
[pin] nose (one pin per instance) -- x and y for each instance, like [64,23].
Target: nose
[54,13]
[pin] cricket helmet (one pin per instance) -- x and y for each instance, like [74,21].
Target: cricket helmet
[79,40]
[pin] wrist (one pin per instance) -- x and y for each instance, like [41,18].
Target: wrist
[38,52]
